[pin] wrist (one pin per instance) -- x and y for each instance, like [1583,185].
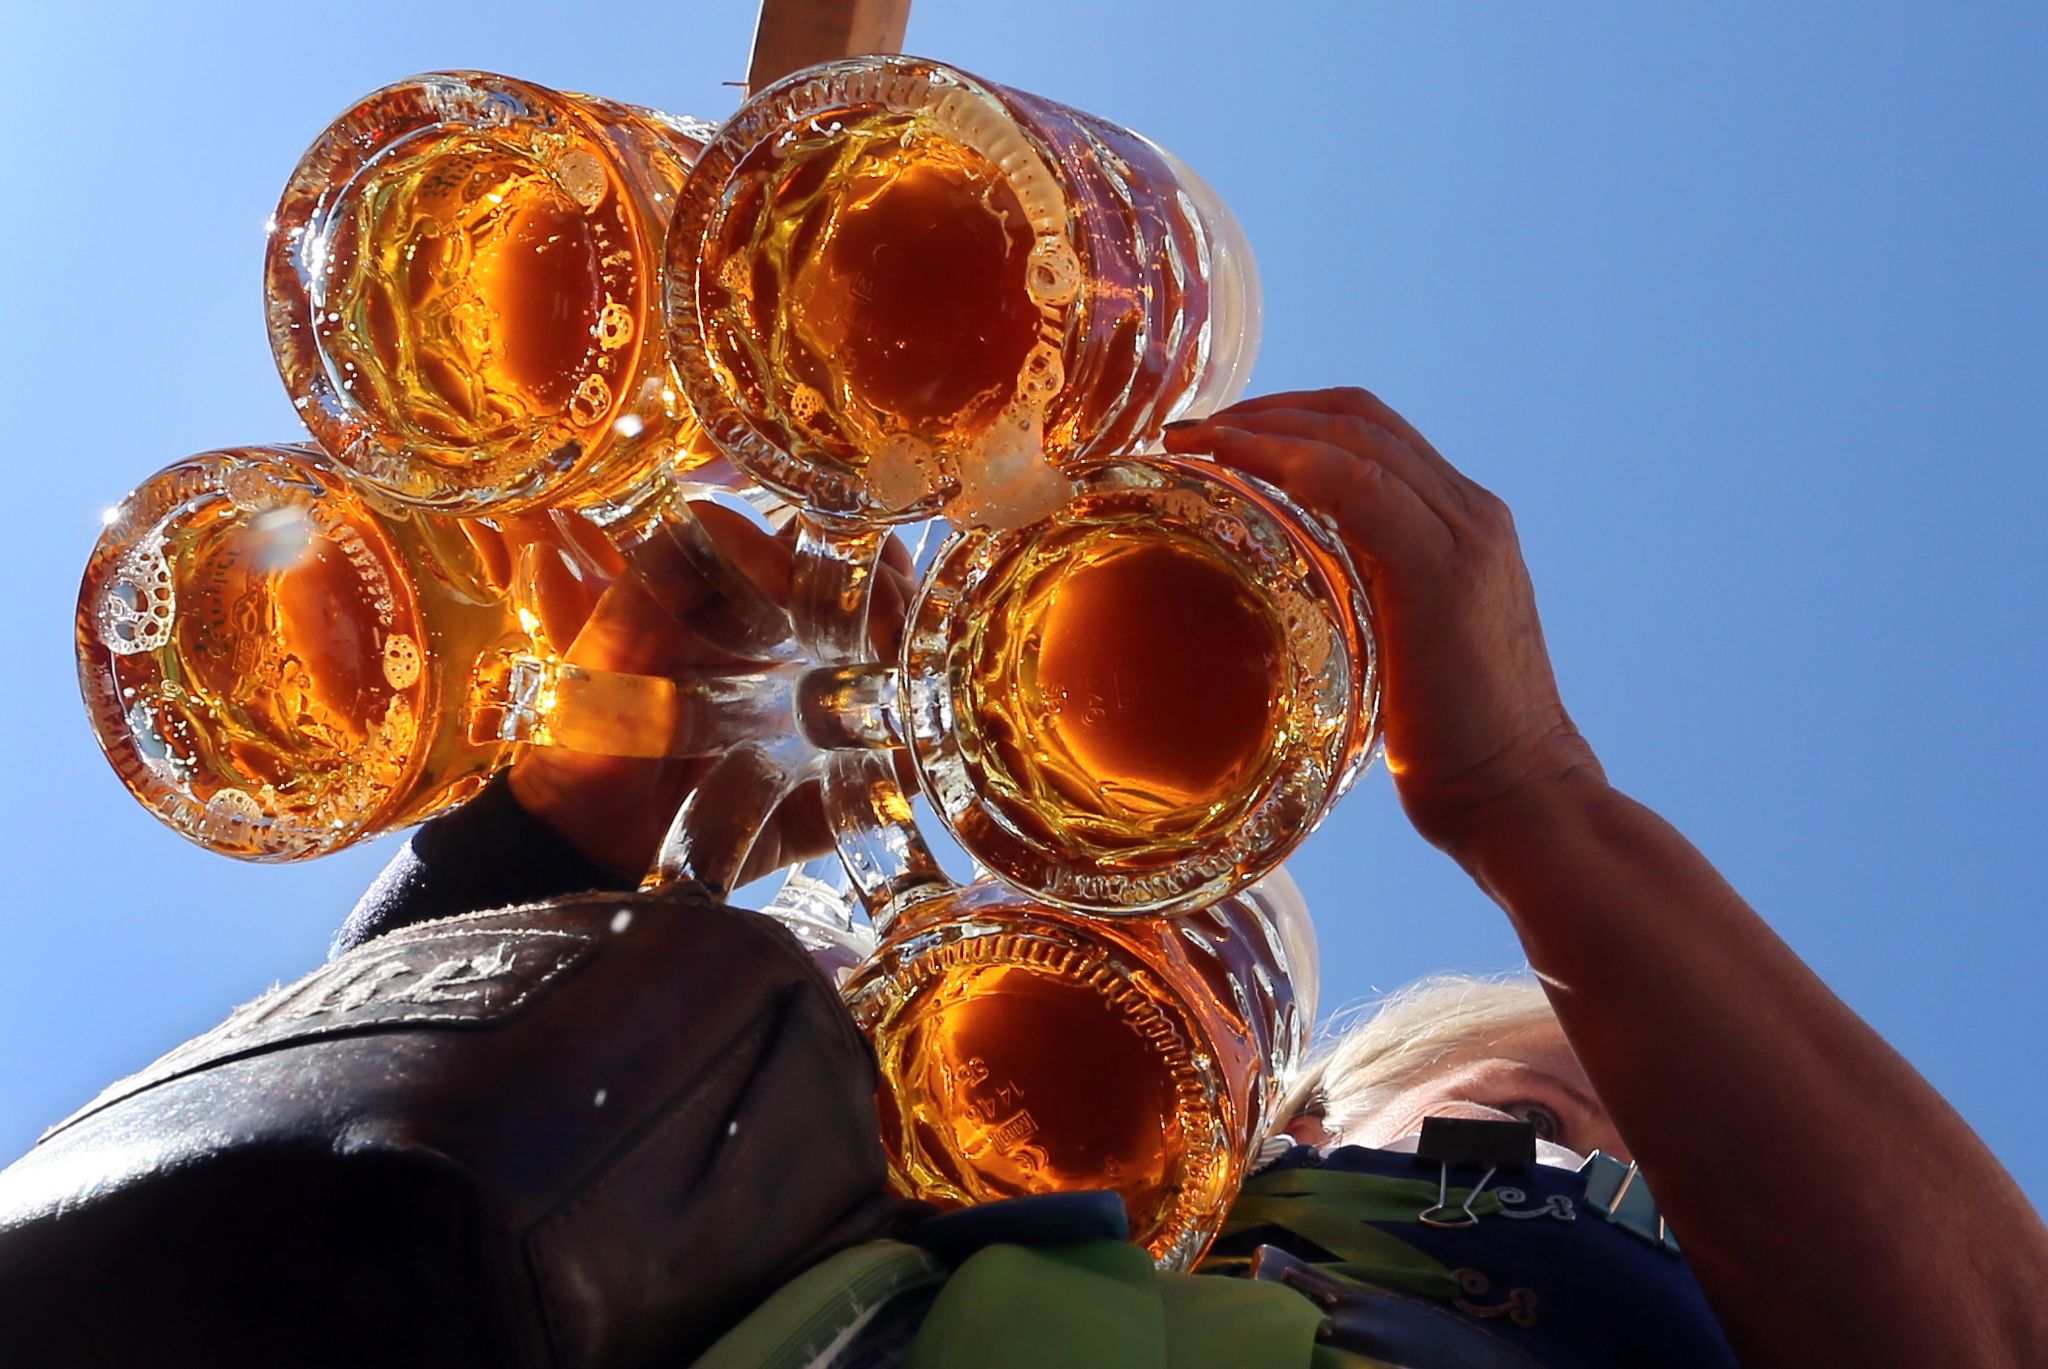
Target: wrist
[1576,791]
[584,817]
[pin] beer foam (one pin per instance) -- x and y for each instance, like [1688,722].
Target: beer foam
[401,661]
[228,816]
[592,401]
[1006,480]
[805,403]
[1308,630]
[614,326]
[256,487]
[1052,275]
[396,732]
[137,608]
[904,471]
[581,177]
[1043,375]
[158,753]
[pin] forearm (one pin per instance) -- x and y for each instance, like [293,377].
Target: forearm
[1835,1208]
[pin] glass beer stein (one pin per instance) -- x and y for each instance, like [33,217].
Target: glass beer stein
[463,282]
[892,284]
[1024,1049]
[275,669]
[1139,703]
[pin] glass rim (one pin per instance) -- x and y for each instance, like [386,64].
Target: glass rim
[1275,817]
[808,476]
[400,464]
[1185,1232]
[261,836]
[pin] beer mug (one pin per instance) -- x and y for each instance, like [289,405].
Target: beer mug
[276,669]
[1137,704]
[1024,1049]
[463,281]
[892,284]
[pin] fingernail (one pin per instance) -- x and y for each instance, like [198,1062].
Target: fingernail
[1181,424]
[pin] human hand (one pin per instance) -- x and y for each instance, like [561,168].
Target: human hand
[616,810]
[1470,706]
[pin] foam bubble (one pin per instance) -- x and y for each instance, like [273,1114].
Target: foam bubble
[1052,275]
[614,326]
[581,177]
[1042,376]
[137,608]
[902,472]
[401,661]
[592,401]
[805,403]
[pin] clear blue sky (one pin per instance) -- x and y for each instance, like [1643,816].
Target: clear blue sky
[1741,307]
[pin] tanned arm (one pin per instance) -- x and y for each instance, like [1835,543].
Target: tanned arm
[1835,1209]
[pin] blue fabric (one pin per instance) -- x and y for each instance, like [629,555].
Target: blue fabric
[489,853]
[1594,1295]
[1039,1219]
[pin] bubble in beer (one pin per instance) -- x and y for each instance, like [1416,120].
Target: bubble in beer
[401,662]
[614,325]
[1052,275]
[582,177]
[138,609]
[593,400]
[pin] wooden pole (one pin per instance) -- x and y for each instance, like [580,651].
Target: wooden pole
[793,34]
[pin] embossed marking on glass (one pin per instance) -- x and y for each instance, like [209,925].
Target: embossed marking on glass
[893,284]
[276,669]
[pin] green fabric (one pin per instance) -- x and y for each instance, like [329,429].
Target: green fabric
[1075,1305]
[1236,1324]
[809,1312]
[1100,1304]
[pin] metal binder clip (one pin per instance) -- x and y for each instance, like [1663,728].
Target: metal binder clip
[1614,1190]
[1449,1141]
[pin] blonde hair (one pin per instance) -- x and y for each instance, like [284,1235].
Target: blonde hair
[1402,1037]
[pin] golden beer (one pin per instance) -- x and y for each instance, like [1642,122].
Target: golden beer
[276,669]
[1148,699]
[1025,1049]
[892,285]
[265,661]
[464,294]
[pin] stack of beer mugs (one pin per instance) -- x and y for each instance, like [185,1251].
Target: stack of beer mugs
[522,324]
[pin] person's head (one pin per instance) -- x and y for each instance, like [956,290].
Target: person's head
[1449,1045]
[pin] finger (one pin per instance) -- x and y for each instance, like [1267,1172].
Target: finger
[586,541]
[798,831]
[1387,524]
[1350,432]
[1369,406]
[1347,399]
[761,556]
[561,592]
[896,557]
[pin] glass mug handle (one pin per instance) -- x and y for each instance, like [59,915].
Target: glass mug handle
[841,729]
[866,809]
[865,805]
[544,701]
